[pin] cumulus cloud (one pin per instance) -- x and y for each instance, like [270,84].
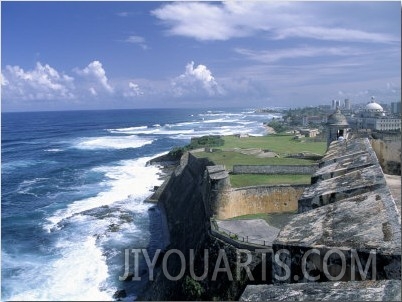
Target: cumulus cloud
[196,81]
[46,83]
[41,83]
[96,75]
[277,20]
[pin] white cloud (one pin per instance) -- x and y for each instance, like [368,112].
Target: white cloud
[137,40]
[123,14]
[196,81]
[334,34]
[92,90]
[41,83]
[204,21]
[268,56]
[95,73]
[4,81]
[231,19]
[133,90]
[46,83]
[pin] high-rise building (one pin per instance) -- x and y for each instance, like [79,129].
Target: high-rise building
[347,104]
[396,107]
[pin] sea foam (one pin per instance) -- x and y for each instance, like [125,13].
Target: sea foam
[112,142]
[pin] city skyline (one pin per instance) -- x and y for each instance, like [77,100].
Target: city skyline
[115,55]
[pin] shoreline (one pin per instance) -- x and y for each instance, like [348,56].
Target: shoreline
[158,228]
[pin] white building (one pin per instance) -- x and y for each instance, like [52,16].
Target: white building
[373,117]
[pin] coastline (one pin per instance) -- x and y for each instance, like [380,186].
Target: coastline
[158,229]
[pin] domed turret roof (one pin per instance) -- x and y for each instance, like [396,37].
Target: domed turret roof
[373,106]
[337,119]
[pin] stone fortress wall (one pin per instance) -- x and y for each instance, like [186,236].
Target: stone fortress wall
[347,234]
[258,199]
[274,170]
[348,208]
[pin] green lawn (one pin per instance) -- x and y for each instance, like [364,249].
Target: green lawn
[281,144]
[245,180]
[230,158]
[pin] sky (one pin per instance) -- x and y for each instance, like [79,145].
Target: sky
[135,54]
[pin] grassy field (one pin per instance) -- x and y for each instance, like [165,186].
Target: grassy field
[230,158]
[283,145]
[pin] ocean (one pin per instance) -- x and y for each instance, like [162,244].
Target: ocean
[73,186]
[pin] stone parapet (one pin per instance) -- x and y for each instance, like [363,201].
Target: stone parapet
[275,169]
[386,290]
[348,227]
[351,184]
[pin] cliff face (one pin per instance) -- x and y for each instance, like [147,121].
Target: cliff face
[185,201]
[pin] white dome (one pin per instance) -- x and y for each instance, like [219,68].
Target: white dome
[373,106]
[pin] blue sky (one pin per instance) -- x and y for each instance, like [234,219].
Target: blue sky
[103,55]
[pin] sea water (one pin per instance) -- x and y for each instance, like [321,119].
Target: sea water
[73,186]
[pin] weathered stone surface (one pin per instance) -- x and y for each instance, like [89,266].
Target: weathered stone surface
[344,165]
[354,227]
[349,168]
[348,218]
[340,150]
[337,188]
[386,290]
[355,222]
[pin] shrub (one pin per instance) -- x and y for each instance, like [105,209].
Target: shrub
[206,141]
[192,289]
[197,142]
[277,126]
